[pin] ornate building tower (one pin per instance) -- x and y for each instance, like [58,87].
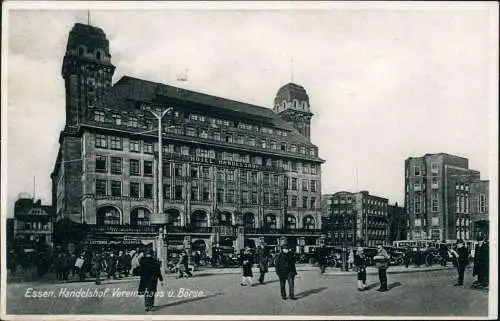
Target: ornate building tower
[87,70]
[292,104]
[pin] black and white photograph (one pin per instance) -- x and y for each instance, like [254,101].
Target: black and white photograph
[249,160]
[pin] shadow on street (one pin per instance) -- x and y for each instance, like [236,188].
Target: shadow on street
[309,292]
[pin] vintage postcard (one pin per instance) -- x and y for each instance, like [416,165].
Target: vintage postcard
[246,160]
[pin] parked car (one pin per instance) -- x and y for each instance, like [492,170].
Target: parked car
[370,253]
[397,256]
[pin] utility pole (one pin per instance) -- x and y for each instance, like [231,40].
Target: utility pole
[159,116]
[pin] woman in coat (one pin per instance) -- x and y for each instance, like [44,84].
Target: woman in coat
[246,260]
[360,267]
[263,263]
[150,274]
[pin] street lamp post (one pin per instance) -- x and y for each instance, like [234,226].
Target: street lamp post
[159,116]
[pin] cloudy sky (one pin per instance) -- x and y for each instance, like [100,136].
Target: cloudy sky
[384,83]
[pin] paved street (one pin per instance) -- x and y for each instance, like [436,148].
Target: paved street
[419,294]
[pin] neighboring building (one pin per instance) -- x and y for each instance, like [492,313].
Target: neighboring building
[397,222]
[233,173]
[355,218]
[438,194]
[33,221]
[479,208]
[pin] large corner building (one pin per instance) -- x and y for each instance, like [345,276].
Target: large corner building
[233,173]
[445,199]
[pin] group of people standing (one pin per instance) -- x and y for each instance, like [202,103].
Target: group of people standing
[382,263]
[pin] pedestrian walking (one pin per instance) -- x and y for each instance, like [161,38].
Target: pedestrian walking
[286,271]
[183,265]
[408,255]
[481,263]
[360,267]
[263,263]
[443,253]
[150,273]
[246,264]
[80,264]
[382,263]
[461,257]
[321,257]
[97,266]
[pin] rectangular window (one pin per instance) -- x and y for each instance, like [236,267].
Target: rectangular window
[274,145]
[101,141]
[148,168]
[416,171]
[275,180]
[116,143]
[312,151]
[132,122]
[190,131]
[293,148]
[418,222]
[418,204]
[216,136]
[178,170]
[283,147]
[304,201]
[203,133]
[251,141]
[302,149]
[178,192]
[482,203]
[267,198]
[101,164]
[240,139]
[313,186]
[228,138]
[466,205]
[100,187]
[116,165]
[314,169]
[148,148]
[135,168]
[206,191]
[294,201]
[148,190]
[304,185]
[220,195]
[254,178]
[166,191]
[276,199]
[116,188]
[230,196]
[313,203]
[435,221]
[244,197]
[294,184]
[244,177]
[265,179]
[134,190]
[457,203]
[194,193]
[263,143]
[167,171]
[254,197]
[135,146]
[294,166]
[99,116]
[435,204]
[194,172]
[206,172]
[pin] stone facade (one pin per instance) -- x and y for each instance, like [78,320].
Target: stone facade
[226,164]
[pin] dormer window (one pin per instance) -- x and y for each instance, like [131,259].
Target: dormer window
[304,105]
[98,55]
[296,103]
[80,51]
[284,104]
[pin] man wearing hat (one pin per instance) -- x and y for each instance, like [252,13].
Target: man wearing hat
[481,263]
[382,263]
[461,256]
[286,270]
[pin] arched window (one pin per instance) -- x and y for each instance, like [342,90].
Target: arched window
[174,217]
[296,103]
[108,215]
[270,221]
[80,51]
[304,105]
[308,222]
[225,219]
[199,219]
[284,104]
[249,220]
[98,55]
[291,222]
[140,217]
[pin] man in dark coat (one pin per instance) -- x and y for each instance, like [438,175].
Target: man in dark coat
[443,253]
[246,264]
[286,271]
[150,273]
[321,256]
[461,256]
[382,263]
[183,265]
[97,266]
[481,263]
[263,263]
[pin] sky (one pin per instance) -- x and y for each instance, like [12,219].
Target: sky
[385,83]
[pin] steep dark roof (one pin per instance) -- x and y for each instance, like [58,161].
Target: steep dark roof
[129,90]
[291,91]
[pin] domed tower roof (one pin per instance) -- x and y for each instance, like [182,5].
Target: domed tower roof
[89,36]
[289,92]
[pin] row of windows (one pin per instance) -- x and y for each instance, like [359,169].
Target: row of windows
[462,187]
[116,168]
[417,170]
[114,188]
[306,184]
[306,202]
[136,146]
